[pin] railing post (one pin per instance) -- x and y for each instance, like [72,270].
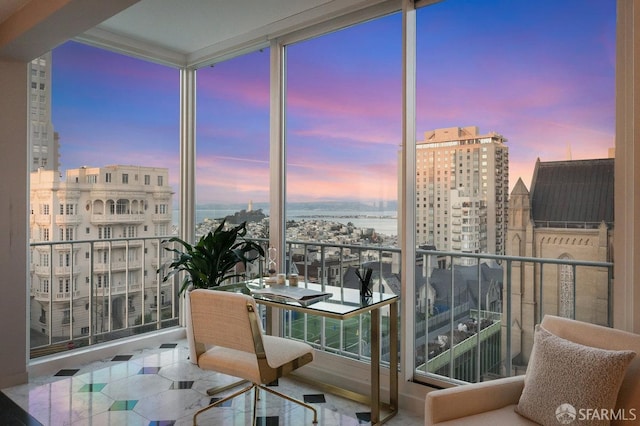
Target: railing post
[508,361]
[479,321]
[92,316]
[126,283]
[452,318]
[158,290]
[541,304]
[610,297]
[573,311]
[70,292]
[51,284]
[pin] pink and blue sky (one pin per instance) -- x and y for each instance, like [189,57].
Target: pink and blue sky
[540,73]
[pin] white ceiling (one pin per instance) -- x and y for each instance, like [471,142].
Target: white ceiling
[189,32]
[189,26]
[175,32]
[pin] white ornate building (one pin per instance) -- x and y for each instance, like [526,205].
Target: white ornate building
[106,218]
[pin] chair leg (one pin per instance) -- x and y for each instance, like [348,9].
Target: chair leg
[220,401]
[288,398]
[256,397]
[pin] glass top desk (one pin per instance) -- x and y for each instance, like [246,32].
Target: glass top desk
[346,303]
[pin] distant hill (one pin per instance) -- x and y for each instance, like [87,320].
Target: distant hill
[245,216]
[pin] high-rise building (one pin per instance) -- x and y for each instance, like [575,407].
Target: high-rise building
[106,218]
[462,190]
[43,141]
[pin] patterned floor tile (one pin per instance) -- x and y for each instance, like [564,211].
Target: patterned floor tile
[161,387]
[315,398]
[67,372]
[92,387]
[121,358]
[123,405]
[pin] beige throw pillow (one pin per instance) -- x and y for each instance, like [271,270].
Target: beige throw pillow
[564,377]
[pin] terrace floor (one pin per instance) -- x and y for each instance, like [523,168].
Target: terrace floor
[160,386]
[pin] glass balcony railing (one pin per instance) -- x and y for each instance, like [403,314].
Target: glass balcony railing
[472,316]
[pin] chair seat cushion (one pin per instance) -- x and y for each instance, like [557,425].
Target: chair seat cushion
[502,416]
[232,362]
[281,351]
[283,354]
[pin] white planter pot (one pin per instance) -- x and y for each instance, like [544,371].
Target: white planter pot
[190,341]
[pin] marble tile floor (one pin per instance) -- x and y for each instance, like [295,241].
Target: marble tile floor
[160,387]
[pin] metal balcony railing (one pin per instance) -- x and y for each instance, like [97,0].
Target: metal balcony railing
[476,356]
[108,300]
[455,294]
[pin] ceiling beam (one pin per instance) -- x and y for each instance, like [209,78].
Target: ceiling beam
[41,25]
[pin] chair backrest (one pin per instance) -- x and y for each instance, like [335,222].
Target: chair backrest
[604,338]
[227,319]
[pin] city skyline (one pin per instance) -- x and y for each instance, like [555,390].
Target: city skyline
[523,75]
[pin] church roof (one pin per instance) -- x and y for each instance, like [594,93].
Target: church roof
[572,192]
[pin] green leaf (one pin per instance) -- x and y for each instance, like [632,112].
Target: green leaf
[213,258]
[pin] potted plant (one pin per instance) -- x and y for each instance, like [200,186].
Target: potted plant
[211,262]
[213,259]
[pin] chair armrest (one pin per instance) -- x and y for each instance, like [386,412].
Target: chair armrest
[467,400]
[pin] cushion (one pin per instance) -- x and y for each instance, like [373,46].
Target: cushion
[499,417]
[567,381]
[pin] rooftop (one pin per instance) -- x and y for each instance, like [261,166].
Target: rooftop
[575,191]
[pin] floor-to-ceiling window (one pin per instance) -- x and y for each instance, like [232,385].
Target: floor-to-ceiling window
[500,86]
[343,135]
[232,145]
[100,209]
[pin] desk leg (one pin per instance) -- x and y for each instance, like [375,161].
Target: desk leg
[375,364]
[374,339]
[393,357]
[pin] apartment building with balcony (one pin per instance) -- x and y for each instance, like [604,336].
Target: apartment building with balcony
[462,183]
[33,28]
[98,218]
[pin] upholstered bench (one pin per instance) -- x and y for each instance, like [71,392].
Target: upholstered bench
[571,360]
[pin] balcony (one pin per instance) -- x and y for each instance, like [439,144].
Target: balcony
[73,219]
[42,219]
[64,296]
[117,243]
[55,296]
[161,217]
[117,289]
[110,219]
[117,266]
[64,271]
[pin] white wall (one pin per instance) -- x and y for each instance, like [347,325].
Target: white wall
[13,217]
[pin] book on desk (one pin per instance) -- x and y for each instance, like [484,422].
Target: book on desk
[285,293]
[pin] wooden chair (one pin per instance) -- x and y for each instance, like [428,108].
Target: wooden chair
[229,340]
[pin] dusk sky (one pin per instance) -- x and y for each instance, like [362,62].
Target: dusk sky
[540,73]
